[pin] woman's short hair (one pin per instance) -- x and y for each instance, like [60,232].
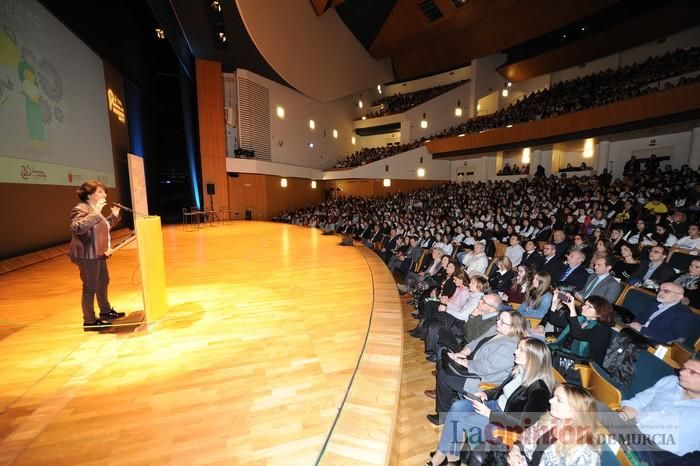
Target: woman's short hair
[87,188]
[603,309]
[462,275]
[482,284]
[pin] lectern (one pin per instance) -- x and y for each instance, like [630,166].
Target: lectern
[149,238]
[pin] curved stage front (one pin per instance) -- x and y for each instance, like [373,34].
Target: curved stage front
[268,326]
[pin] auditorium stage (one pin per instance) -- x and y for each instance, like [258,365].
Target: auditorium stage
[249,366]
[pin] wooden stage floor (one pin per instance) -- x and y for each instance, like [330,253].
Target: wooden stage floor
[249,366]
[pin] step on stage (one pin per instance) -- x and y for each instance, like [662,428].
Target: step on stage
[250,365]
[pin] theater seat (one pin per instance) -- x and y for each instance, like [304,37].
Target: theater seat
[648,370]
[636,300]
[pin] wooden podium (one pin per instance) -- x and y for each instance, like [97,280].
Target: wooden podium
[149,238]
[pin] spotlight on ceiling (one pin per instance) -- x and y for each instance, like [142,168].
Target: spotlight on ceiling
[216,6]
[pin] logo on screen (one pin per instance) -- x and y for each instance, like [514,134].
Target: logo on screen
[26,172]
[115,106]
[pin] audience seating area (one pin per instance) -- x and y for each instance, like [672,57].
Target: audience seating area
[541,212]
[655,74]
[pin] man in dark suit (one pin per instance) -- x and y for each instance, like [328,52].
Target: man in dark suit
[89,249]
[574,273]
[670,320]
[655,269]
[532,256]
[552,264]
[561,243]
[601,283]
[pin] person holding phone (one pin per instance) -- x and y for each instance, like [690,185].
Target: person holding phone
[525,392]
[586,337]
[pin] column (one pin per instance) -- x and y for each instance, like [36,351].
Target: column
[694,156]
[535,160]
[603,156]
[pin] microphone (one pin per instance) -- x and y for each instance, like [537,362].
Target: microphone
[122,207]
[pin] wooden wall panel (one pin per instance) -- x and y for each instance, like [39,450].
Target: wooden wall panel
[266,197]
[374,187]
[660,104]
[212,136]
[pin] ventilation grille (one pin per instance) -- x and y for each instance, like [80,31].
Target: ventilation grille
[430,10]
[254,118]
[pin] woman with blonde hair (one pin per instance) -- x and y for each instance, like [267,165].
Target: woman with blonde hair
[488,358]
[563,437]
[502,275]
[538,298]
[511,405]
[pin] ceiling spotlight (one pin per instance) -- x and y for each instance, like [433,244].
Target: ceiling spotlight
[222,37]
[160,33]
[216,6]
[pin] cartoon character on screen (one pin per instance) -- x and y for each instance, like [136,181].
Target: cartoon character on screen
[30,89]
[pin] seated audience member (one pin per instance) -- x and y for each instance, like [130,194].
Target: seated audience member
[600,249]
[653,271]
[552,264]
[390,245]
[476,260]
[586,337]
[679,221]
[442,292]
[692,241]
[488,358]
[532,256]
[481,320]
[601,282]
[661,236]
[438,310]
[575,273]
[690,282]
[514,251]
[580,244]
[616,240]
[502,275]
[521,285]
[635,237]
[624,268]
[565,436]
[402,262]
[429,267]
[670,320]
[429,279]
[453,318]
[538,298]
[555,319]
[678,398]
[513,405]
[561,244]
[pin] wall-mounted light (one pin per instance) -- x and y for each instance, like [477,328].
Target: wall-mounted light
[353,140]
[313,184]
[478,107]
[424,122]
[335,133]
[508,83]
[312,124]
[311,145]
[364,117]
[504,92]
[526,155]
[283,182]
[379,88]
[280,111]
[360,104]
[386,182]
[588,148]
[458,109]
[420,172]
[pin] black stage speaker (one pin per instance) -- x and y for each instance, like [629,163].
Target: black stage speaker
[211,189]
